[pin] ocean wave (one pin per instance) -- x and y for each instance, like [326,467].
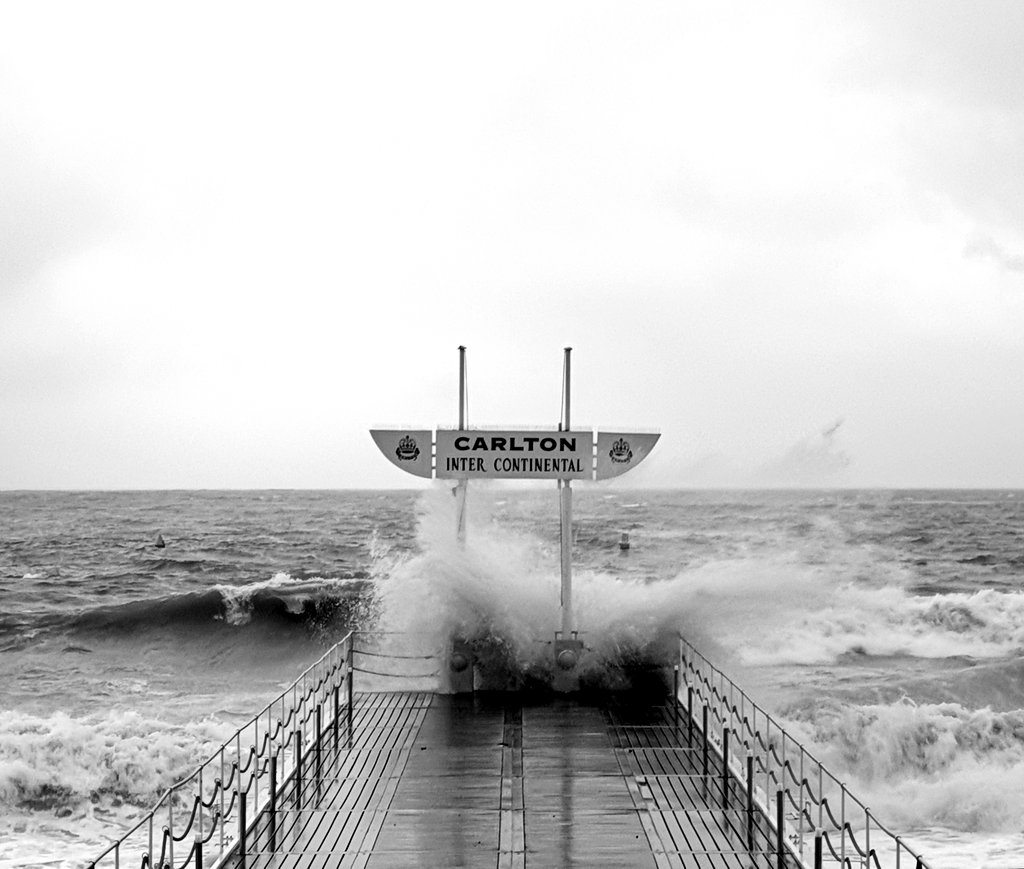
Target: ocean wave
[782,612]
[281,599]
[920,764]
[54,762]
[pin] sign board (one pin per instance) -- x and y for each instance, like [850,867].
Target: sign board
[515,455]
[618,452]
[409,449]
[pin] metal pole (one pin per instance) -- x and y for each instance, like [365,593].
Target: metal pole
[675,696]
[565,497]
[689,714]
[298,769]
[273,802]
[462,486]
[351,694]
[780,853]
[241,828]
[725,768]
[462,387]
[566,515]
[704,734]
[750,802]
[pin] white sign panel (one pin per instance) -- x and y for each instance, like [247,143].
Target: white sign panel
[409,449]
[535,455]
[618,452]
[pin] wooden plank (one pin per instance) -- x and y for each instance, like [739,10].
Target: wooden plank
[511,781]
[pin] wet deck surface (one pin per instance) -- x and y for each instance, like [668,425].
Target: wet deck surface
[504,780]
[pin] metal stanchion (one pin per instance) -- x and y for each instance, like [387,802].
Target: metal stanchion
[273,803]
[319,739]
[689,709]
[725,768]
[750,802]
[675,695]
[780,840]
[241,829]
[704,733]
[298,769]
[337,707]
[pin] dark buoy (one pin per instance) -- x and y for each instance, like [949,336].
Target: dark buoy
[159,541]
[624,541]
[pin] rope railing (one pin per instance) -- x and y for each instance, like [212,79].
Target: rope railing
[208,817]
[201,820]
[785,782]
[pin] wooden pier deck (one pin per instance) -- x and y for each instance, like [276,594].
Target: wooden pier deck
[509,780]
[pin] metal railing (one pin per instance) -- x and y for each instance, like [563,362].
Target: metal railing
[813,810]
[204,819]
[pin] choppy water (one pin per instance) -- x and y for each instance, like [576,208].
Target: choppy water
[887,628]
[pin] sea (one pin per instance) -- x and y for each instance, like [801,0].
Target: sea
[885,629]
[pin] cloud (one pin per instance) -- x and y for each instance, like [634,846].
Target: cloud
[46,213]
[985,247]
[812,461]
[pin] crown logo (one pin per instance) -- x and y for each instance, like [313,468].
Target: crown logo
[620,451]
[407,450]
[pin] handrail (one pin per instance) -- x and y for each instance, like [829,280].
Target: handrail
[855,837]
[221,792]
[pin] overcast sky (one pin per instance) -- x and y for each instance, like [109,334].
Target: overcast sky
[235,236]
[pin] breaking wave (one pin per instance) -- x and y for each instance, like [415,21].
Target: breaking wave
[920,765]
[279,600]
[58,761]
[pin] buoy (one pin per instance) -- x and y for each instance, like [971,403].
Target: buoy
[624,541]
[159,541]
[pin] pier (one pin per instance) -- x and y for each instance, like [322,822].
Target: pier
[510,780]
[326,776]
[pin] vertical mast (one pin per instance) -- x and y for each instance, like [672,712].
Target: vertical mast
[462,486]
[566,511]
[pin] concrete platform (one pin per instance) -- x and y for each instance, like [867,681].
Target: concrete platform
[510,780]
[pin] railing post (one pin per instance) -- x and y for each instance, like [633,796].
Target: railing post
[675,695]
[319,738]
[780,846]
[704,733]
[170,826]
[842,824]
[223,818]
[241,828]
[817,851]
[725,768]
[689,709]
[273,802]
[351,693]
[298,769]
[750,802]
[201,804]
[337,710]
[199,851]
